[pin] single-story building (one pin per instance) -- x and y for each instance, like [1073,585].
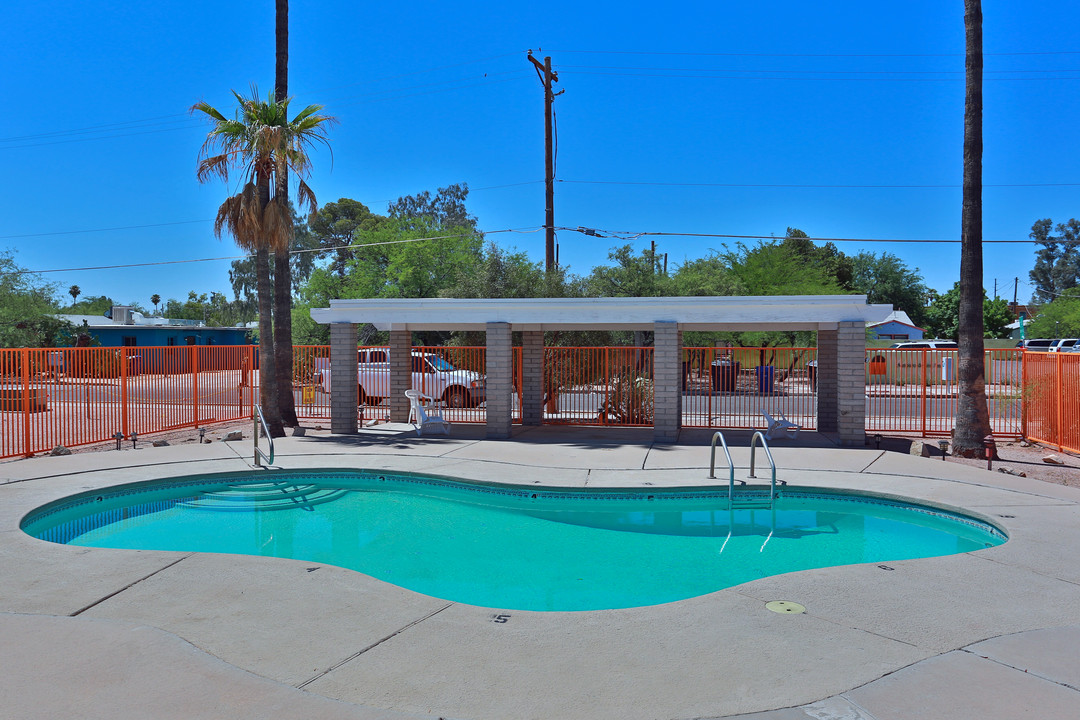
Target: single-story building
[897,326]
[840,322]
[129,328]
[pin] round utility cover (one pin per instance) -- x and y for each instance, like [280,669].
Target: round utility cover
[785,607]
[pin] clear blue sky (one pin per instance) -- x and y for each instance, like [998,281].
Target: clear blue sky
[685,119]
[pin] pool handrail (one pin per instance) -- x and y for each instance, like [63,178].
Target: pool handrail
[257,417]
[730,464]
[768,453]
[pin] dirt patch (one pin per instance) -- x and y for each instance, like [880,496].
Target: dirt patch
[1017,456]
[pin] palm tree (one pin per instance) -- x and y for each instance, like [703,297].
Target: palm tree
[74,291]
[972,416]
[154,300]
[283,348]
[262,142]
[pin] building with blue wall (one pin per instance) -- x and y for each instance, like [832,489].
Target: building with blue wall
[128,328]
[897,326]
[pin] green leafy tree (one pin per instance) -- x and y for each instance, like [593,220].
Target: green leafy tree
[770,268]
[262,143]
[827,258]
[1057,261]
[630,275]
[944,315]
[335,226]
[1060,318]
[27,307]
[885,278]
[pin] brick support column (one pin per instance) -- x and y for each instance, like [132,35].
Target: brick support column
[343,379]
[851,383]
[400,372]
[532,377]
[667,381]
[827,418]
[500,380]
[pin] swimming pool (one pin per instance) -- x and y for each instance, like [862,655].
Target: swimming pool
[513,547]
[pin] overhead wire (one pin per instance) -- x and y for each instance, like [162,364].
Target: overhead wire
[351,246]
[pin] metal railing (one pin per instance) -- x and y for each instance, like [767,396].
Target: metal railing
[731,466]
[772,463]
[258,420]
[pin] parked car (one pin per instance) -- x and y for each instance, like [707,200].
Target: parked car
[431,375]
[1064,345]
[1037,344]
[926,345]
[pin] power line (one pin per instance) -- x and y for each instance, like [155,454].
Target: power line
[291,252]
[631,235]
[195,222]
[814,55]
[831,79]
[806,72]
[806,185]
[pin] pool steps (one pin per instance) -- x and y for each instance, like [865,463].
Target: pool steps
[264,496]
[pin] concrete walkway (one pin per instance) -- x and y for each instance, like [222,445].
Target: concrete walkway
[96,633]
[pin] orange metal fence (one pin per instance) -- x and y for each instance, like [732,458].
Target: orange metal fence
[1052,399]
[598,386]
[76,396]
[730,387]
[915,391]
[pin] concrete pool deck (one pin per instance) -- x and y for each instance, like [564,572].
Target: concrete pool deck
[98,633]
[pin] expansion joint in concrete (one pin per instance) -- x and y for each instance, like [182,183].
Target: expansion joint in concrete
[97,602]
[375,644]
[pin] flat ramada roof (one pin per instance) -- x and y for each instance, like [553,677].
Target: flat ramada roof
[770,312]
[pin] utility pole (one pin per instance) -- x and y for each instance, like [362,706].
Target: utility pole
[547,77]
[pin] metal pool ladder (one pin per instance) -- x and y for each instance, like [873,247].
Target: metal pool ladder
[258,419]
[731,466]
[772,463]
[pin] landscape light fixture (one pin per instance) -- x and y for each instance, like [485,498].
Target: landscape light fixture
[118,436]
[991,449]
[877,442]
[202,433]
[134,439]
[943,446]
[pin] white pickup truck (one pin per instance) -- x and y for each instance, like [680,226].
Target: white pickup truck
[431,375]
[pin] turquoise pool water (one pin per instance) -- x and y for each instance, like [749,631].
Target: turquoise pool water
[512,547]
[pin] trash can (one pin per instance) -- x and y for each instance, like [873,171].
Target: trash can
[765,376]
[724,375]
[811,373]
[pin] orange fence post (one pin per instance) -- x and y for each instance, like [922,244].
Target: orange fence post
[922,402]
[195,383]
[27,447]
[1059,401]
[124,392]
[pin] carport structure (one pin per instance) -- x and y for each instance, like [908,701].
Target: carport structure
[839,321]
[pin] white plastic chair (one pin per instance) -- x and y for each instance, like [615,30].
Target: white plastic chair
[781,426]
[422,417]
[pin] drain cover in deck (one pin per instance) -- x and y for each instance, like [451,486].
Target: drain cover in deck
[785,607]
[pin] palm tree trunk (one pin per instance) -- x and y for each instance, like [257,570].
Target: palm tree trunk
[283,348]
[268,384]
[972,417]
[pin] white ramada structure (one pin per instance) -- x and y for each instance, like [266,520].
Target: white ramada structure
[839,321]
